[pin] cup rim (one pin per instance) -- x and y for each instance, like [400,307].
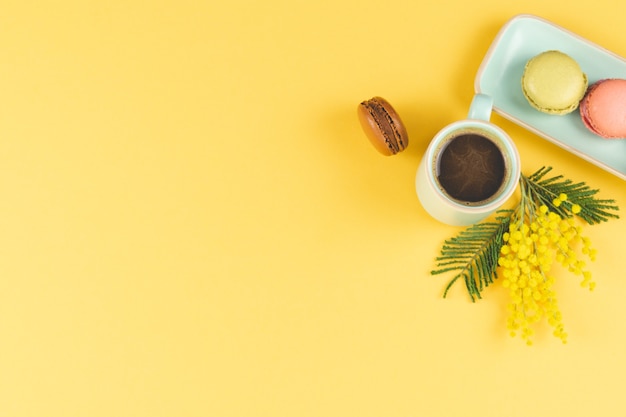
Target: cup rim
[507,142]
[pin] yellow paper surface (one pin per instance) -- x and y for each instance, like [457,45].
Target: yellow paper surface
[193,224]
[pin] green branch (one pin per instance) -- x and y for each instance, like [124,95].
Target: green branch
[473,254]
[544,191]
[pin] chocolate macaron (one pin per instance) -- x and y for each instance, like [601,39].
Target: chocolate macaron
[382,126]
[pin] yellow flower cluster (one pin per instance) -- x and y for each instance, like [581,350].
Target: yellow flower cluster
[531,246]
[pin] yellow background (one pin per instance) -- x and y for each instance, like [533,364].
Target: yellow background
[193,224]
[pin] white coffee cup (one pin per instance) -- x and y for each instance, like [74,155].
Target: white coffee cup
[439,202]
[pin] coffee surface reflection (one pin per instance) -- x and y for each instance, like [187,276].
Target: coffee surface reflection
[471,168]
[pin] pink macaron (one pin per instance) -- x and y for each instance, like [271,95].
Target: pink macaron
[603,109]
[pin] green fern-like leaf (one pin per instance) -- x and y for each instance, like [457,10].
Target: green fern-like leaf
[473,254]
[543,190]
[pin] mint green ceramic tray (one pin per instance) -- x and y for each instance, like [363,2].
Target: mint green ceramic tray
[500,73]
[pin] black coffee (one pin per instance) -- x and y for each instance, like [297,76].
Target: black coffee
[471,168]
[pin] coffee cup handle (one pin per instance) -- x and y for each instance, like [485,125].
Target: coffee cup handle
[481,106]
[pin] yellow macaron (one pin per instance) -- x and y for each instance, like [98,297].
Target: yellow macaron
[554,83]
